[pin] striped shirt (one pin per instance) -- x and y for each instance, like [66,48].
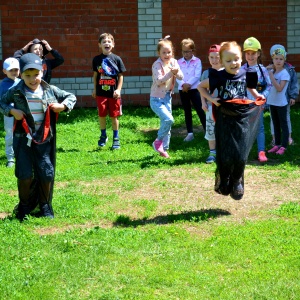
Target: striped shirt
[36,106]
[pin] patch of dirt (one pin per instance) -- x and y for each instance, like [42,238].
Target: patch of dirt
[184,193]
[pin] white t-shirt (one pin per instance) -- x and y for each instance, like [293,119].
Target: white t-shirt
[279,98]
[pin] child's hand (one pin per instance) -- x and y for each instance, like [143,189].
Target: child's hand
[174,70]
[117,94]
[25,48]
[47,46]
[214,101]
[270,67]
[292,101]
[205,107]
[186,87]
[57,107]
[17,113]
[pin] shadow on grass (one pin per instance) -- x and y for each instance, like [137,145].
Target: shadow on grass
[195,216]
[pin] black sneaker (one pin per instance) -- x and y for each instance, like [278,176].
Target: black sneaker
[47,211]
[103,140]
[116,144]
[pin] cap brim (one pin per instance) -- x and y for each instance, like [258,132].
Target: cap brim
[32,66]
[251,49]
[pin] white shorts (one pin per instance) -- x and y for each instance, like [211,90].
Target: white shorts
[210,125]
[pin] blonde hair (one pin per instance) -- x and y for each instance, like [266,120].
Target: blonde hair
[106,35]
[225,46]
[188,43]
[164,41]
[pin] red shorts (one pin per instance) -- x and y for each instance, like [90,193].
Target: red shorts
[110,106]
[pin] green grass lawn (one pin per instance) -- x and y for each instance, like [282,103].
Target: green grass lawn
[130,224]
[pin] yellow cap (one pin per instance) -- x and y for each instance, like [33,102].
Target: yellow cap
[252,44]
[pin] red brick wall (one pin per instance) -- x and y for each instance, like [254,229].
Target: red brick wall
[73,27]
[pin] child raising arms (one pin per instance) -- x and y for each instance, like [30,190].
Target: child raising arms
[236,118]
[164,71]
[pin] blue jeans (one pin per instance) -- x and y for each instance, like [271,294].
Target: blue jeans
[261,140]
[8,126]
[162,107]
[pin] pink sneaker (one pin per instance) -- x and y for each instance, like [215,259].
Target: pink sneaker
[158,146]
[262,156]
[281,151]
[164,154]
[274,149]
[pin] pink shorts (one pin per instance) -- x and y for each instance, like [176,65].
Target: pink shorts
[110,106]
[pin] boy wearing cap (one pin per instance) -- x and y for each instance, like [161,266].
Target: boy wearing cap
[42,48]
[11,69]
[292,91]
[214,60]
[191,68]
[34,104]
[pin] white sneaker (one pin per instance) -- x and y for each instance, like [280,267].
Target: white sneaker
[189,137]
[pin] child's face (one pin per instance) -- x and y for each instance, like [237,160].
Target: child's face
[187,52]
[12,74]
[278,61]
[251,57]
[165,53]
[106,45]
[37,49]
[214,60]
[232,60]
[32,78]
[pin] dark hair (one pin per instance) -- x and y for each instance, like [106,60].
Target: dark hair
[37,41]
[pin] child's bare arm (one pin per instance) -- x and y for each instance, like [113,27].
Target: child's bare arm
[95,84]
[57,107]
[117,92]
[203,88]
[255,93]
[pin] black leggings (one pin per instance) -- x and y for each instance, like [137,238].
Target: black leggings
[187,99]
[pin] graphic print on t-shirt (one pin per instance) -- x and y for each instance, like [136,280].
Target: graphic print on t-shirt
[232,90]
[105,81]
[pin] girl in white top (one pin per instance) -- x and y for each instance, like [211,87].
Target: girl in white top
[278,101]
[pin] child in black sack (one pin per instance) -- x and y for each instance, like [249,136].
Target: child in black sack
[237,118]
[35,104]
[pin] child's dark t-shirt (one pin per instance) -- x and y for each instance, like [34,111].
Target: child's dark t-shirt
[231,86]
[107,83]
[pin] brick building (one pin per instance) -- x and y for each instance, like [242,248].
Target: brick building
[73,27]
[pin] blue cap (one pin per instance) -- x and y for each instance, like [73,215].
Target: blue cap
[30,61]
